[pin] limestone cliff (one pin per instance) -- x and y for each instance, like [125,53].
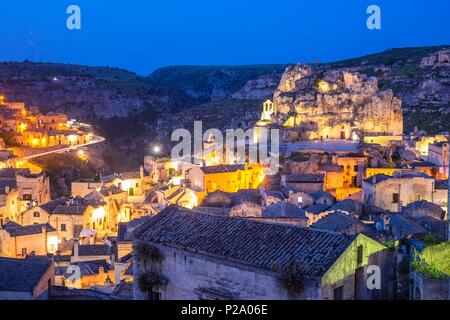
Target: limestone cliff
[334,104]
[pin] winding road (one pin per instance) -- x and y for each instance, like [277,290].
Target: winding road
[95,140]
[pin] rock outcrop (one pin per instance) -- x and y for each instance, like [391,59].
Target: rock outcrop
[334,105]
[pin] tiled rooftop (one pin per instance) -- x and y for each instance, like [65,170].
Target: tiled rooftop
[20,275]
[284,210]
[16,230]
[335,221]
[305,177]
[263,245]
[93,250]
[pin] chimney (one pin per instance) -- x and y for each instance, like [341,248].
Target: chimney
[75,248]
[7,189]
[141,172]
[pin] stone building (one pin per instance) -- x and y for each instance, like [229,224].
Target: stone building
[107,203]
[392,193]
[438,154]
[91,252]
[36,130]
[67,215]
[227,178]
[25,279]
[243,203]
[339,221]
[295,196]
[20,189]
[306,182]
[316,212]
[284,212]
[210,257]
[82,188]
[166,170]
[19,241]
[125,236]
[334,177]
[353,168]
[135,183]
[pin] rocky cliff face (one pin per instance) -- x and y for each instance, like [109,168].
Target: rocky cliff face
[84,93]
[133,111]
[335,105]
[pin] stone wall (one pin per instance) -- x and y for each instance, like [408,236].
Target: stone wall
[429,289]
[195,276]
[381,194]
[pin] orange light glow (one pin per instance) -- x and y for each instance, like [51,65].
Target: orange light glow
[323,86]
[23,127]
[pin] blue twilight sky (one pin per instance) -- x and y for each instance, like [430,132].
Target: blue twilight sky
[142,35]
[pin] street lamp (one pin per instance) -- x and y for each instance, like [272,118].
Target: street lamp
[156,149]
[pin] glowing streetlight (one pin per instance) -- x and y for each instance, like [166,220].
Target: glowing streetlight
[156,149]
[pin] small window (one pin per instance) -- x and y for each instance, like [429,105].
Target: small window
[63,227]
[36,214]
[300,199]
[24,252]
[417,197]
[27,197]
[395,198]
[359,258]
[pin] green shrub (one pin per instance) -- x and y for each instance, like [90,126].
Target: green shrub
[429,239]
[144,252]
[428,270]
